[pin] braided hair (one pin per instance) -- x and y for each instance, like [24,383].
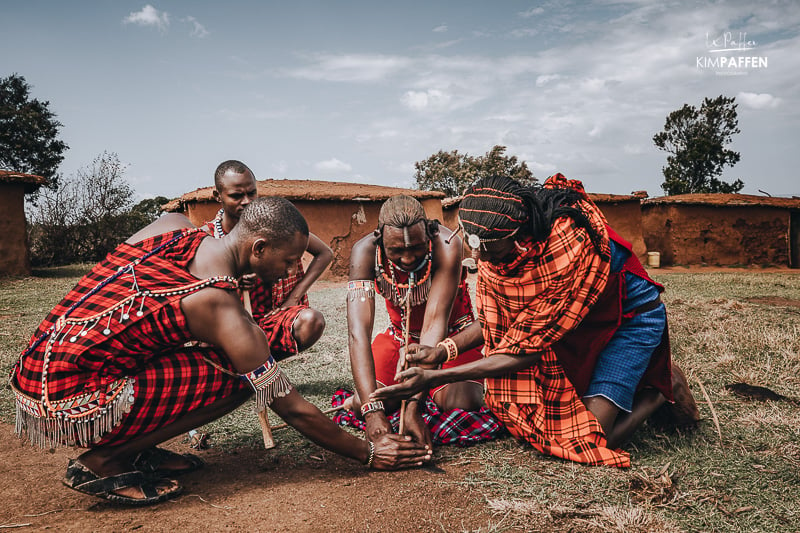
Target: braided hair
[403,211]
[498,207]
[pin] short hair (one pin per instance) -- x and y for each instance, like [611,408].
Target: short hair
[403,211]
[272,217]
[225,166]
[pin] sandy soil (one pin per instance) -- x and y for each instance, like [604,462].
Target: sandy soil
[243,490]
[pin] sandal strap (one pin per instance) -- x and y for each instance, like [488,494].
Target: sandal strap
[112,483]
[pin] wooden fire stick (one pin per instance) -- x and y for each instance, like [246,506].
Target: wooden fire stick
[405,361]
[263,416]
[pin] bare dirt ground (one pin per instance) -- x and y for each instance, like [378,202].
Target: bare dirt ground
[244,490]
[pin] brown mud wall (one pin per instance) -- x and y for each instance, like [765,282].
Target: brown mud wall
[14,257]
[338,223]
[717,235]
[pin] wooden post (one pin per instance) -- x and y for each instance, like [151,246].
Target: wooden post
[263,416]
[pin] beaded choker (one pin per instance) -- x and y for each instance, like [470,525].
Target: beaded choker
[218,231]
[417,287]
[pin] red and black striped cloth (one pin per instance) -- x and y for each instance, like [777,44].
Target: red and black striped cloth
[455,426]
[109,362]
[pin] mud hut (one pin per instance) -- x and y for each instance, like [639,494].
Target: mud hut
[623,213]
[338,213]
[14,254]
[723,229]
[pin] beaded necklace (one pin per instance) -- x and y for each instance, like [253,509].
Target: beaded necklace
[417,287]
[218,231]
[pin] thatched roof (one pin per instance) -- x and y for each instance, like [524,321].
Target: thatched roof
[310,190]
[725,200]
[30,181]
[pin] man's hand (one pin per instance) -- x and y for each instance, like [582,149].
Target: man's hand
[247,282]
[429,356]
[415,425]
[410,382]
[393,452]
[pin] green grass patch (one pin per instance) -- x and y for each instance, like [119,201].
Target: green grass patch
[731,327]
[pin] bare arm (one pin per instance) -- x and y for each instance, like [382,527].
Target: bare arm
[216,316]
[360,321]
[322,257]
[391,453]
[415,379]
[444,287]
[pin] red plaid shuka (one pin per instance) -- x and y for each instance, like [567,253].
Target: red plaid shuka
[528,305]
[267,301]
[455,426]
[109,363]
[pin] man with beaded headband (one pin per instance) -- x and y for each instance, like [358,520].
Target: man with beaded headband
[412,263]
[281,308]
[117,368]
[576,344]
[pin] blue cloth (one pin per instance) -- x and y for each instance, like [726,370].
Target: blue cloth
[624,360]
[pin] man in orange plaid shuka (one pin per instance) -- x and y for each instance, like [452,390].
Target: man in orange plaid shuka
[576,344]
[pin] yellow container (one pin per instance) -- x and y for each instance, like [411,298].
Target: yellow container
[653,259]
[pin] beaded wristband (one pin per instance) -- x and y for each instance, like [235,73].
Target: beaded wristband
[371,407]
[450,347]
[371,456]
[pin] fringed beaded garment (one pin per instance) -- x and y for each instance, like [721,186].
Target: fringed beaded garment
[111,361]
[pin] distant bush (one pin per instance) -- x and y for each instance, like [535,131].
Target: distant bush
[88,216]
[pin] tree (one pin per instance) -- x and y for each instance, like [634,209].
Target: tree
[89,215]
[697,140]
[452,172]
[28,132]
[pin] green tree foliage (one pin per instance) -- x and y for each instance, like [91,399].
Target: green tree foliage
[89,215]
[452,172]
[697,140]
[28,132]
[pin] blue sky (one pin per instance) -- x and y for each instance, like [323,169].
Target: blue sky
[358,91]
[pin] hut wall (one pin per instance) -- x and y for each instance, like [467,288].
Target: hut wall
[338,223]
[14,258]
[626,219]
[717,235]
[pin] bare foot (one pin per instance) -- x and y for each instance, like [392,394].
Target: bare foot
[683,413]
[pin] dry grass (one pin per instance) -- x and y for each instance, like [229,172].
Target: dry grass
[726,328]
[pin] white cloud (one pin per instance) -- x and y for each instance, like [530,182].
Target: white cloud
[531,12]
[332,165]
[149,16]
[440,28]
[544,79]
[524,32]
[351,68]
[425,100]
[758,100]
[198,30]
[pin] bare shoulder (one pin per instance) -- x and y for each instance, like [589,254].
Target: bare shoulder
[362,258]
[166,222]
[446,246]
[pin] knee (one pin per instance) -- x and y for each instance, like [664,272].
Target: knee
[308,327]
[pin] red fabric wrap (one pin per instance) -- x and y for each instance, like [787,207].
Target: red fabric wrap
[87,373]
[579,350]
